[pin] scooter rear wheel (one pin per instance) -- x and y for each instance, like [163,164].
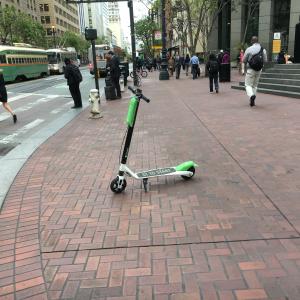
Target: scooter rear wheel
[114,186]
[191,169]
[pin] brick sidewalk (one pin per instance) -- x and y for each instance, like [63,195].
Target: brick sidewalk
[232,232]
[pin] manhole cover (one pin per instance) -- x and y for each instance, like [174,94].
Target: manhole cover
[5,148]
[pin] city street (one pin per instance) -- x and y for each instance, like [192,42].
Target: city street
[231,232]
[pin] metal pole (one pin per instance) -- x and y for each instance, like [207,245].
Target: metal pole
[54,38]
[164,74]
[133,50]
[95,66]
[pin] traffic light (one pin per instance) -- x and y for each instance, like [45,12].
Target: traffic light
[90,34]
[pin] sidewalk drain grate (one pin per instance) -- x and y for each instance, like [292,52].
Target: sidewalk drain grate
[5,148]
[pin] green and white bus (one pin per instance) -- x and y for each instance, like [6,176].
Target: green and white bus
[56,59]
[20,63]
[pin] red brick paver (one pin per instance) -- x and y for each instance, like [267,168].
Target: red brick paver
[232,232]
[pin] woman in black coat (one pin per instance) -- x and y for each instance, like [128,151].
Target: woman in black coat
[3,97]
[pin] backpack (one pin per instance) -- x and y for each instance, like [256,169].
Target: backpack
[257,61]
[213,67]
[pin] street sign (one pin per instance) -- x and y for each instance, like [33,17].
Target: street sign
[157,35]
[276,35]
[276,46]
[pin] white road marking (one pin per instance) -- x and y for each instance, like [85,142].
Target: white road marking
[21,96]
[58,110]
[10,138]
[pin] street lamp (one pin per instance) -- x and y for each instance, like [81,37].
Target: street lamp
[53,34]
[164,74]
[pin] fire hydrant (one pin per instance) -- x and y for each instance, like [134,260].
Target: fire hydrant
[95,99]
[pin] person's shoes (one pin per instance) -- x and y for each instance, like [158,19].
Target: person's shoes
[217,91]
[118,97]
[252,100]
[76,106]
[15,118]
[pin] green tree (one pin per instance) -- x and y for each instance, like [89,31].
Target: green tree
[101,40]
[8,17]
[29,31]
[144,29]
[71,39]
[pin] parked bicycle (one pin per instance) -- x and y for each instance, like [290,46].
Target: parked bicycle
[140,72]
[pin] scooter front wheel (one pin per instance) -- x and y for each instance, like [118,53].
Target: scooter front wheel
[116,187]
[191,169]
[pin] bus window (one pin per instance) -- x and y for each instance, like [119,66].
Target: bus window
[9,60]
[2,59]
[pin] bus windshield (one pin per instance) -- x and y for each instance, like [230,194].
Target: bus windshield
[52,58]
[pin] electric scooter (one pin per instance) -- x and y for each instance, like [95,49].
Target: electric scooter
[186,170]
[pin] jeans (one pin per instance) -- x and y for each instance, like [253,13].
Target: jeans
[187,66]
[194,70]
[178,71]
[213,79]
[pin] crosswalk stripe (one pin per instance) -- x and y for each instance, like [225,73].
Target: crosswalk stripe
[10,138]
[58,110]
[28,106]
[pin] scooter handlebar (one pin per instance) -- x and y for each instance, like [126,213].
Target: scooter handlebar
[138,92]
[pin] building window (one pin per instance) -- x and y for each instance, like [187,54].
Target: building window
[43,20]
[49,31]
[46,7]
[47,19]
[41,7]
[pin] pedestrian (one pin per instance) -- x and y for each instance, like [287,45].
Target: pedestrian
[241,63]
[187,64]
[281,57]
[74,77]
[158,62]
[178,63]
[115,72]
[195,64]
[3,97]
[171,65]
[220,56]
[212,67]
[254,57]
[154,63]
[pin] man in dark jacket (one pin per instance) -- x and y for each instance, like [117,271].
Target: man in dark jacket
[115,72]
[74,77]
[212,67]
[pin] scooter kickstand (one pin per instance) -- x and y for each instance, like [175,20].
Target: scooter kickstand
[145,184]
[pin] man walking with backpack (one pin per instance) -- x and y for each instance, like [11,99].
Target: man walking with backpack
[74,77]
[255,57]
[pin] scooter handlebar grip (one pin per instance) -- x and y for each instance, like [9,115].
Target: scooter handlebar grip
[131,89]
[146,99]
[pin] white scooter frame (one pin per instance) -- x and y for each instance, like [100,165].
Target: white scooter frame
[186,170]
